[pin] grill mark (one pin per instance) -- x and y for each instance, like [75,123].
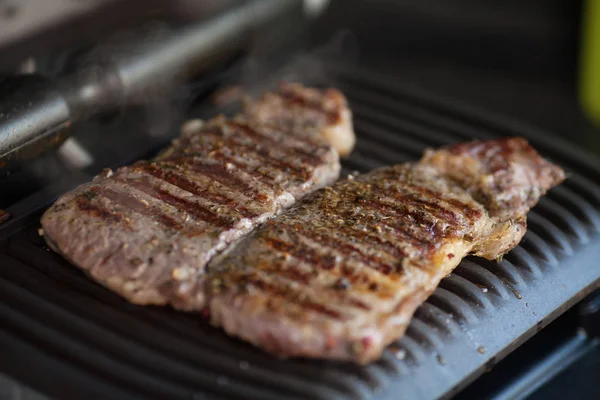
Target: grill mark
[222,175]
[270,290]
[401,230]
[149,211]
[470,212]
[262,155]
[190,186]
[346,249]
[424,219]
[252,133]
[425,244]
[304,136]
[396,213]
[387,246]
[401,181]
[264,178]
[357,303]
[267,180]
[359,235]
[430,207]
[304,278]
[293,98]
[197,211]
[216,131]
[293,170]
[423,205]
[292,274]
[301,252]
[301,172]
[84,203]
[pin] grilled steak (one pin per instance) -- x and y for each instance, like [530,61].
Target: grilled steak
[147,230]
[340,275]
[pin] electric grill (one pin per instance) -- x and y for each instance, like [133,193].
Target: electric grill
[63,336]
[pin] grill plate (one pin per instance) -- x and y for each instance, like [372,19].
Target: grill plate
[57,326]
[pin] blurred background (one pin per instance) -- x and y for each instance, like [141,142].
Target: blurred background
[522,58]
[517,57]
[529,59]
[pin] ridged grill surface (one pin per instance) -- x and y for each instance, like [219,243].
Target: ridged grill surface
[57,325]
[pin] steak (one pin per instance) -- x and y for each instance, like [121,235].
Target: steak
[148,230]
[340,275]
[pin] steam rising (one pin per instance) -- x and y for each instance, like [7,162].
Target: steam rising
[310,67]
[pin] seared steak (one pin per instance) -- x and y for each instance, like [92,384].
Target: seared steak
[147,230]
[340,275]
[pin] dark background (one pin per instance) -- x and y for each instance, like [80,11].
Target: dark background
[514,57]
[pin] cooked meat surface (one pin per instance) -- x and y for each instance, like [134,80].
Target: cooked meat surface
[147,230]
[340,275]
[299,108]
